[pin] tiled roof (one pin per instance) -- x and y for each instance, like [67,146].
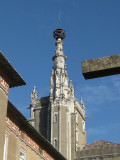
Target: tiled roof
[7,68]
[100,144]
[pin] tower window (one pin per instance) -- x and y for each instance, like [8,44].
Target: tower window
[22,155]
[76,118]
[55,117]
[76,135]
[83,126]
[55,143]
[5,148]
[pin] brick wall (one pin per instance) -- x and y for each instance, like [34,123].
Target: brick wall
[3,110]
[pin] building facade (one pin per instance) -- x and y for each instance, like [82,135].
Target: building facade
[23,142]
[8,78]
[60,117]
[18,139]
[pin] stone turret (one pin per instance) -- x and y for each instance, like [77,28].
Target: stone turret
[33,95]
[32,106]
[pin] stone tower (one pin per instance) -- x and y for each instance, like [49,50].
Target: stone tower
[60,117]
[61,96]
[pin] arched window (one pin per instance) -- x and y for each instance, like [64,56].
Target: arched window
[55,143]
[55,117]
[76,118]
[83,126]
[22,155]
[5,147]
[76,135]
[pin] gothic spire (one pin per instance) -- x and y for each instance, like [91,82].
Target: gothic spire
[59,77]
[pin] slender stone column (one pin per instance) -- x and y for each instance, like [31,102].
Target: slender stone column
[59,128]
[48,124]
[67,116]
[52,125]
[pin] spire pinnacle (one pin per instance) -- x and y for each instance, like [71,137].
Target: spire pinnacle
[34,89]
[33,94]
[81,100]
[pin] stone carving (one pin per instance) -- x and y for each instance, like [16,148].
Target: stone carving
[61,100]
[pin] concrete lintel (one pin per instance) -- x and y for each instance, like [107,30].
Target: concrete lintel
[101,67]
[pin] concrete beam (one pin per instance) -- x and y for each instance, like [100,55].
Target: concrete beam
[101,67]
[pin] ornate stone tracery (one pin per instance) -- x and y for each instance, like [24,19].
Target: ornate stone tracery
[61,100]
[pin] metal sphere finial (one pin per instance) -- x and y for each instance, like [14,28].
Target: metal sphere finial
[59,33]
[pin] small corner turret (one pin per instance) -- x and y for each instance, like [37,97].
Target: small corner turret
[32,105]
[82,104]
[33,95]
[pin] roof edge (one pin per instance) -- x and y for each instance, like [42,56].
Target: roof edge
[10,71]
[22,120]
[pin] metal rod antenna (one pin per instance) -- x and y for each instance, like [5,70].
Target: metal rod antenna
[59,17]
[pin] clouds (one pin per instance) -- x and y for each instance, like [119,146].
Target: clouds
[98,93]
[107,132]
[102,99]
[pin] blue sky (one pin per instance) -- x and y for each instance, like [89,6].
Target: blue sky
[92,31]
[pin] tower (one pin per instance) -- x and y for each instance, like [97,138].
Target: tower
[60,92]
[60,117]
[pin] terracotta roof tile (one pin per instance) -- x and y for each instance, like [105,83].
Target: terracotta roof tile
[100,144]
